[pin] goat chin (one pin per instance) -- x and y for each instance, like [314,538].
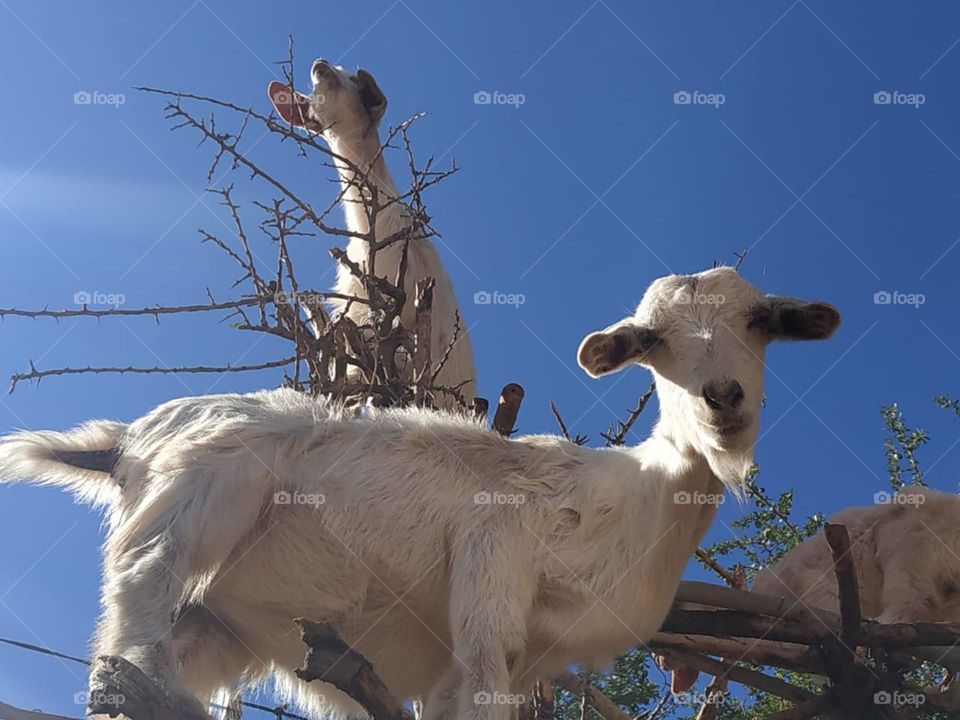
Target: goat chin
[732,468]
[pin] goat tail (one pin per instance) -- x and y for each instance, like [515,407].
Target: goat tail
[81,460]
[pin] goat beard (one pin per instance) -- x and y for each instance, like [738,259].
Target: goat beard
[732,466]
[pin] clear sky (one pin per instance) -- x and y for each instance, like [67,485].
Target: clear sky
[577,198]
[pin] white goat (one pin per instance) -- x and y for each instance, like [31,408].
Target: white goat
[897,583]
[346,109]
[907,556]
[460,563]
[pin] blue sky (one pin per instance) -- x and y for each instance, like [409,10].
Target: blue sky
[597,184]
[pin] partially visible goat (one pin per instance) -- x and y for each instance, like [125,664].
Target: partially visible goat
[345,109]
[907,554]
[462,564]
[906,550]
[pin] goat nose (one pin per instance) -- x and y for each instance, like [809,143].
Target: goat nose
[723,395]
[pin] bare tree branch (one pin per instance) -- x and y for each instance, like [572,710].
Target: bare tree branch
[38,375]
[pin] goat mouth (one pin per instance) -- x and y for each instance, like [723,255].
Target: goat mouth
[727,427]
[324,73]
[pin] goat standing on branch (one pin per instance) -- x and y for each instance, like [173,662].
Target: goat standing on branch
[461,564]
[346,109]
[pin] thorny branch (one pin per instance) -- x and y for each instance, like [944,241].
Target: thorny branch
[39,375]
[618,436]
[351,361]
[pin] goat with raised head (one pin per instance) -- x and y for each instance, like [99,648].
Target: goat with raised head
[345,109]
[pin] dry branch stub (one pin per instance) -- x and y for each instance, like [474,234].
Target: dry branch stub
[853,684]
[329,659]
[507,409]
[847,585]
[120,688]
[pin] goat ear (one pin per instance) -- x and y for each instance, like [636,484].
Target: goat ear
[371,95]
[293,107]
[607,351]
[792,319]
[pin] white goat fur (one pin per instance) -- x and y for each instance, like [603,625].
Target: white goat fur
[907,555]
[345,109]
[204,571]
[896,582]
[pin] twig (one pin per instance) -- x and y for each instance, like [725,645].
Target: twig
[754,492]
[38,375]
[754,679]
[618,437]
[707,560]
[574,685]
[741,256]
[422,360]
[579,439]
[448,350]
[120,312]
